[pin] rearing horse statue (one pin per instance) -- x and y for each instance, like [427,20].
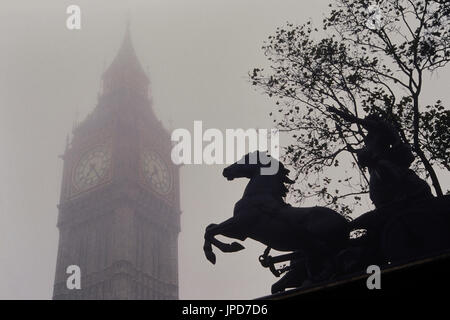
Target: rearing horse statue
[315,234]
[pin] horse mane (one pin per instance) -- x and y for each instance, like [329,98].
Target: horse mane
[282,174]
[282,177]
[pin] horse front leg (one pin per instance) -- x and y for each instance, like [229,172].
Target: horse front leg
[209,240]
[207,249]
[227,228]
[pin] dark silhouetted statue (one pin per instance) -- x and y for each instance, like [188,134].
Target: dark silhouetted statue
[314,235]
[408,222]
[387,159]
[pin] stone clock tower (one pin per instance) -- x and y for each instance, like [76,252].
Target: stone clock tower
[119,208]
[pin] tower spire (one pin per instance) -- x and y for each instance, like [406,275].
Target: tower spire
[126,72]
[128,21]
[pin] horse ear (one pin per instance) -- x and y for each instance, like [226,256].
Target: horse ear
[263,153]
[287,180]
[256,153]
[285,171]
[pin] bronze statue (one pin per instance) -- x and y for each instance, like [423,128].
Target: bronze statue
[316,240]
[408,221]
[388,159]
[313,235]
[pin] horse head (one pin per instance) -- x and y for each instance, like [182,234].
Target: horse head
[259,165]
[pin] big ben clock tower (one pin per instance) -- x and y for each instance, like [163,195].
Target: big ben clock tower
[119,207]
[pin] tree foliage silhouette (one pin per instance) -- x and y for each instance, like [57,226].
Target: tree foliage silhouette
[366,58]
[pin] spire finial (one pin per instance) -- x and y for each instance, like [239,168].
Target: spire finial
[128,20]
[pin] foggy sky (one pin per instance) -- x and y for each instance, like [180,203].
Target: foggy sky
[198,54]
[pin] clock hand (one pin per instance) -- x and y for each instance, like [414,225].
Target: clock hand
[96,173]
[92,167]
[152,173]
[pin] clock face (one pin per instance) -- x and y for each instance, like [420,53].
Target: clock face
[92,168]
[156,172]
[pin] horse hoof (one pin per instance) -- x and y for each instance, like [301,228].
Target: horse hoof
[235,246]
[211,257]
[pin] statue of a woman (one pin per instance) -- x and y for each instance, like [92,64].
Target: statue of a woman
[388,159]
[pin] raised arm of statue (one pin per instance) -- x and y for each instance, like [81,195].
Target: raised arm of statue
[346,116]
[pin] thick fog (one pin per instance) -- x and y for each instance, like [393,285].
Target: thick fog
[197,54]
